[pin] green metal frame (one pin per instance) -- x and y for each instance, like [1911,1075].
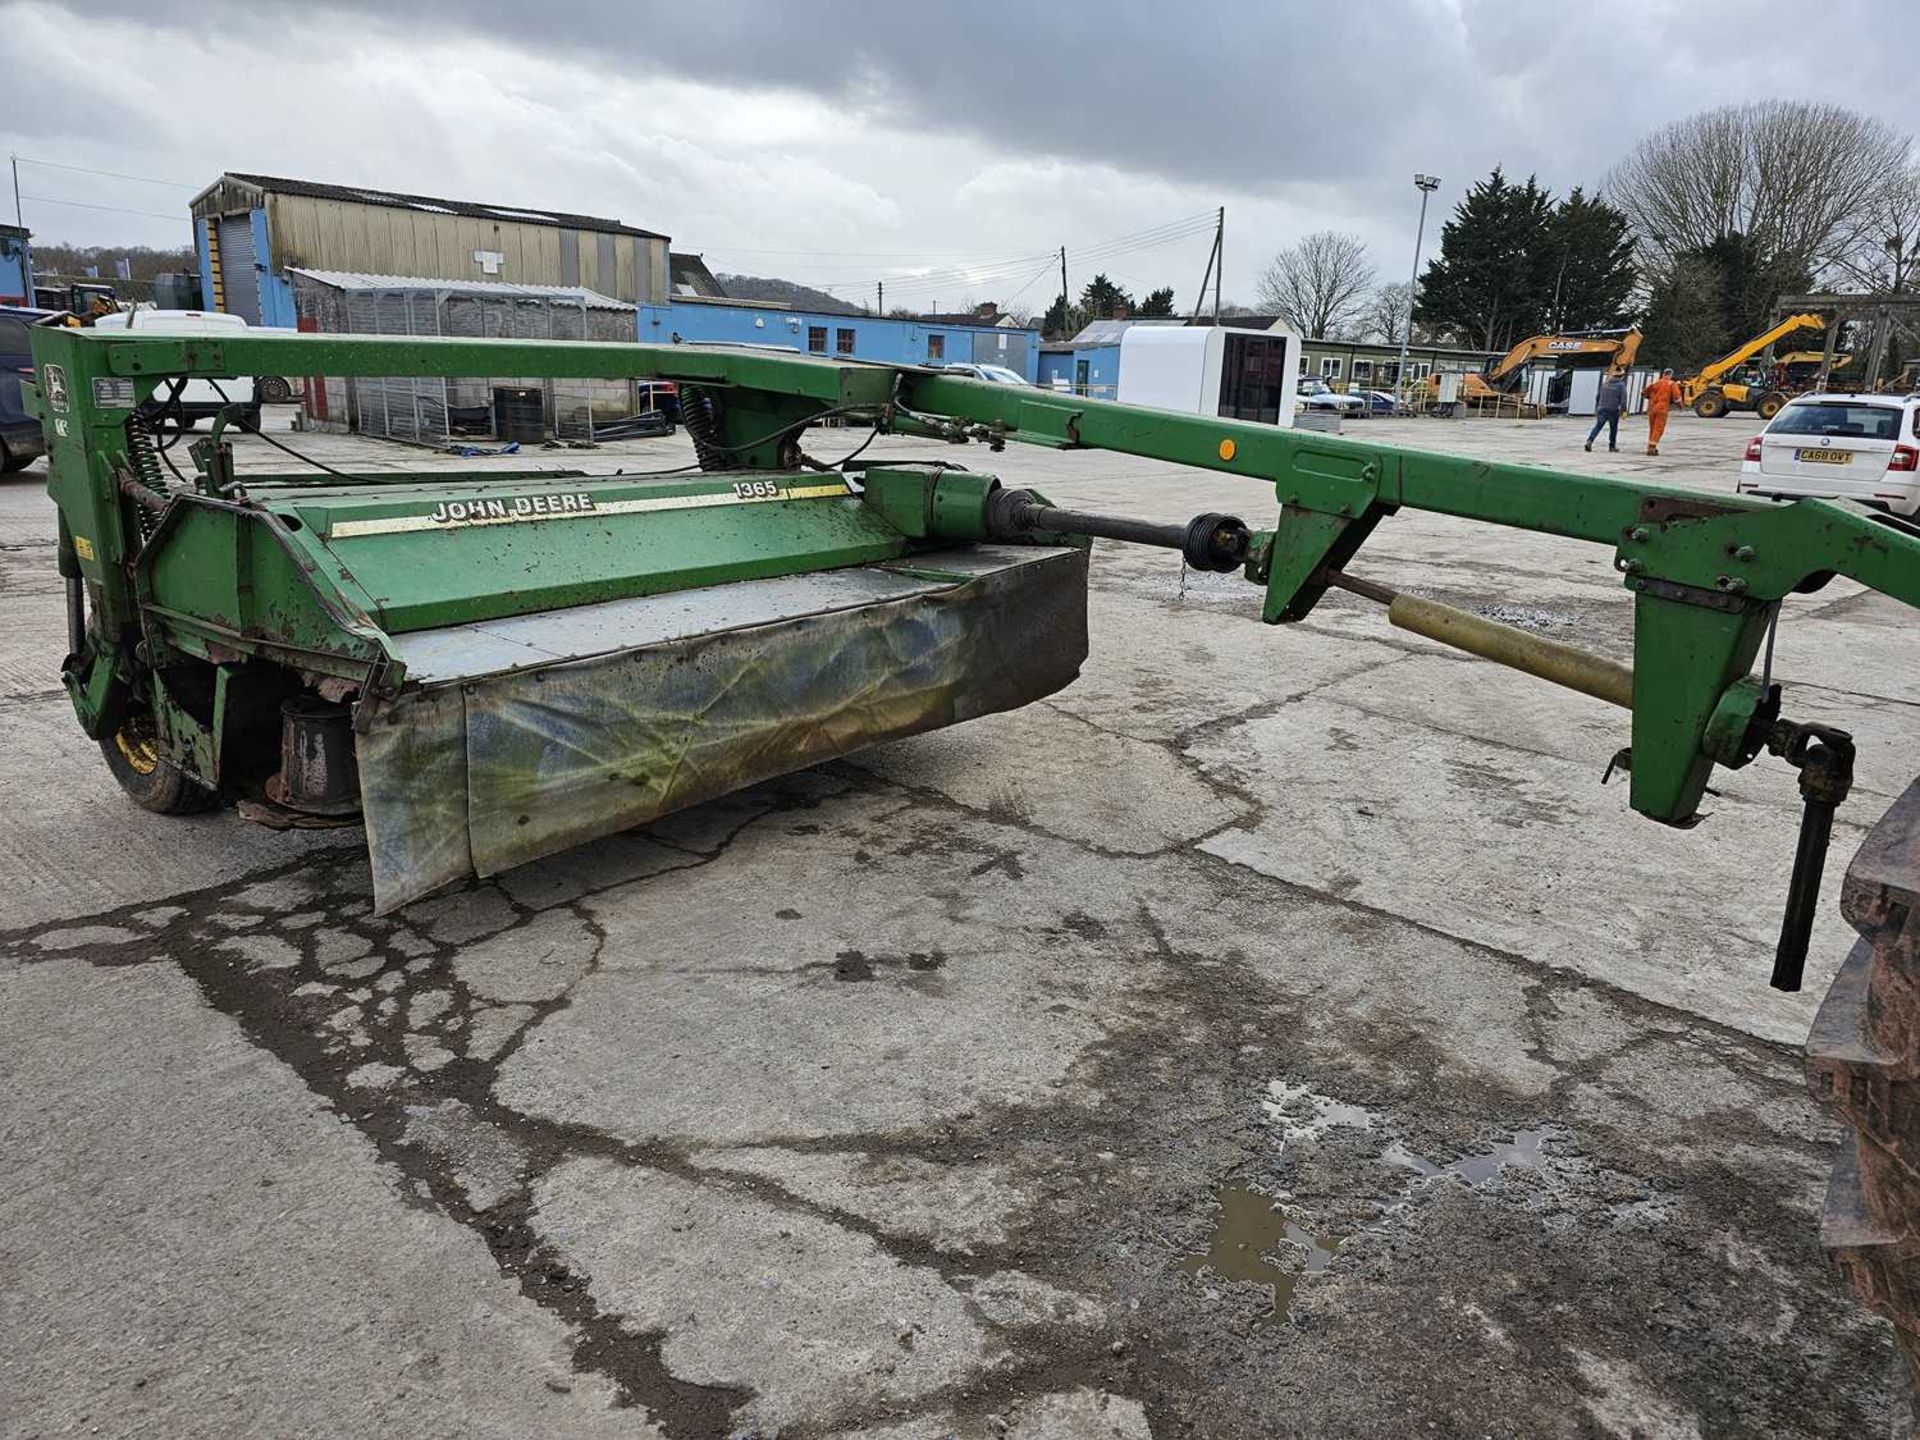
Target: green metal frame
[227,575]
[1706,569]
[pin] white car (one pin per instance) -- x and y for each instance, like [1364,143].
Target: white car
[1353,402]
[1836,446]
[998,374]
[197,400]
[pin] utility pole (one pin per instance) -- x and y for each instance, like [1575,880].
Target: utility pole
[1428,184]
[1212,272]
[880,298]
[1065,303]
[16,191]
[1220,259]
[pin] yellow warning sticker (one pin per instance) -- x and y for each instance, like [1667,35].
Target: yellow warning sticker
[83,547]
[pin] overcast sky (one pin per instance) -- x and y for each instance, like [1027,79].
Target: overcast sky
[945,150]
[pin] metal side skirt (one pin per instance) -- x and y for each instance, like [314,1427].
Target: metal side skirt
[517,749]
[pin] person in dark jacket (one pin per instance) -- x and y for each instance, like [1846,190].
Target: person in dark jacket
[1611,401]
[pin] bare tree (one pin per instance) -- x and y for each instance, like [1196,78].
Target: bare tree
[1319,285]
[1879,250]
[1385,317]
[1793,177]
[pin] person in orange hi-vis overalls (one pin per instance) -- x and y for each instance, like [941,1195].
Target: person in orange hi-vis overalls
[1660,394]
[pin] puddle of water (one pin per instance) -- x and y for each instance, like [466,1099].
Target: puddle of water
[1249,1231]
[1300,1114]
[1523,1152]
[1397,1154]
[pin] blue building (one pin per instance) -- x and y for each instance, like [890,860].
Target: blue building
[1089,364]
[16,266]
[922,340]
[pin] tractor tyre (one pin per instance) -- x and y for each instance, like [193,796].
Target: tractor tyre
[1863,1061]
[151,780]
[1768,405]
[1711,406]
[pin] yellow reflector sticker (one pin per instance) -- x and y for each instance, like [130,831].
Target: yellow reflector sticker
[83,547]
[1228,449]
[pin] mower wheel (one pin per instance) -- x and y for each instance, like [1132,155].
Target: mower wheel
[149,778]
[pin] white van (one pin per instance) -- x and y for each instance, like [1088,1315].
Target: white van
[1840,446]
[1210,370]
[198,399]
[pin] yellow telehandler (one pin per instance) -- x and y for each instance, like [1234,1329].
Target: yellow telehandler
[1721,388]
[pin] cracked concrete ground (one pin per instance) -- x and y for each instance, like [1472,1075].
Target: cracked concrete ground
[1275,1033]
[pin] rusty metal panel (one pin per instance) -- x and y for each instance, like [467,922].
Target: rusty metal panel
[566,754]
[482,774]
[413,793]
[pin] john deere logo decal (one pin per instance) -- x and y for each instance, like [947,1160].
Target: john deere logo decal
[520,507]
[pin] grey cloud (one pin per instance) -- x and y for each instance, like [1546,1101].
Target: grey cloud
[1305,114]
[1247,96]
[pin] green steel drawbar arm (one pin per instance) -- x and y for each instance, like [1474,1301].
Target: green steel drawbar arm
[1707,570]
[1708,573]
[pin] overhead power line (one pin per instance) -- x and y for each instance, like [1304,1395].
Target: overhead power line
[111,174]
[994,268]
[931,282]
[116,209]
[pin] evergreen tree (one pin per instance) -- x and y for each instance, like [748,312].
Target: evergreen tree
[1101,297]
[1485,288]
[1685,325]
[1158,302]
[1713,297]
[1751,278]
[1591,276]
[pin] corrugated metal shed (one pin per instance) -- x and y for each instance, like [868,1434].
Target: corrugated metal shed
[354,280]
[397,200]
[250,230]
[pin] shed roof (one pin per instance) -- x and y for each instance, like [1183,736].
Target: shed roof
[398,200]
[499,289]
[691,277]
[1108,332]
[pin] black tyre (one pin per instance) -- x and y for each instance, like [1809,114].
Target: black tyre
[9,462]
[275,389]
[1711,406]
[152,781]
[1768,405]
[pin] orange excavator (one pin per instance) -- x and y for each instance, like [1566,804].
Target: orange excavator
[1574,350]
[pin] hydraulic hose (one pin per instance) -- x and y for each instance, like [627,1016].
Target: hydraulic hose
[699,413]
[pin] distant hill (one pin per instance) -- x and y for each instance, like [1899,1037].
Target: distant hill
[786,292]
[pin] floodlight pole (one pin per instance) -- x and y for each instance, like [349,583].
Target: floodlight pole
[1428,184]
